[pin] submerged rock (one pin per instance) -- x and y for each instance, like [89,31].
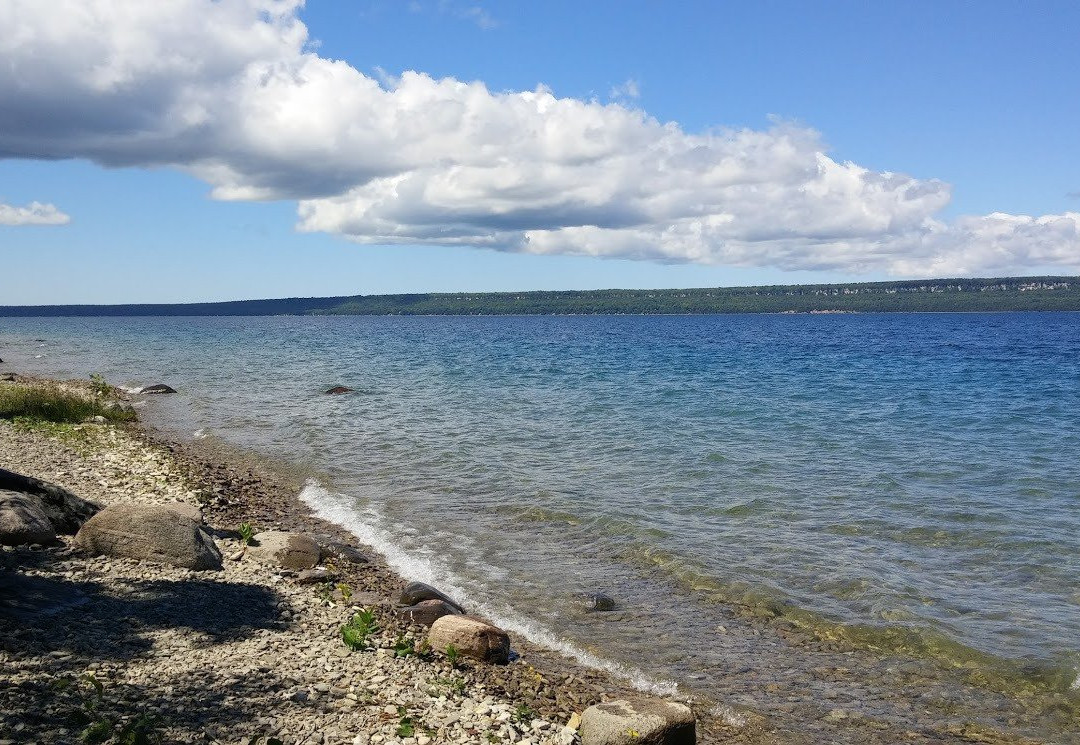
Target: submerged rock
[22,521]
[286,550]
[597,602]
[639,722]
[337,389]
[150,533]
[331,548]
[158,388]
[65,511]
[416,592]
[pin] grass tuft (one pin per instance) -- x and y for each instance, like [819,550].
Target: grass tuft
[49,402]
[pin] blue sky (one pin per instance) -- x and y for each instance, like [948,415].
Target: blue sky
[975,102]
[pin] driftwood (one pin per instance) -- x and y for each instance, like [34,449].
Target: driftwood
[65,511]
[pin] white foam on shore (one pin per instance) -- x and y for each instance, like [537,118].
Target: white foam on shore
[340,509]
[200,434]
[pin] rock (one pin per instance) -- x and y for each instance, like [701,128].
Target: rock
[98,419]
[472,637]
[151,533]
[190,511]
[65,511]
[415,592]
[121,406]
[338,389]
[331,548]
[158,388]
[599,602]
[286,550]
[426,612]
[314,576]
[22,521]
[639,722]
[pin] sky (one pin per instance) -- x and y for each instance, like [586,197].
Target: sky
[199,150]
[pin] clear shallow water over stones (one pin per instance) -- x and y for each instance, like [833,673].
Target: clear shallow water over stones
[912,471]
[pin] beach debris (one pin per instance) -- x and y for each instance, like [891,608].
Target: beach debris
[286,550]
[472,637]
[598,602]
[338,389]
[653,721]
[150,533]
[416,592]
[426,612]
[158,388]
[22,521]
[65,511]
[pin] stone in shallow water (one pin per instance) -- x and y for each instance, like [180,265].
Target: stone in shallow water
[416,592]
[151,533]
[339,389]
[638,722]
[599,602]
[158,388]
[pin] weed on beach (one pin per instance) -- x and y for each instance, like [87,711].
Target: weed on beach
[50,402]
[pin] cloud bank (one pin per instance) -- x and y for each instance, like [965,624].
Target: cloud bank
[34,213]
[232,92]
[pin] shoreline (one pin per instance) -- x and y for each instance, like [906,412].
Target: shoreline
[136,463]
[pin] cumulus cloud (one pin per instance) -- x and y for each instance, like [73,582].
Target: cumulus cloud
[34,213]
[625,91]
[233,92]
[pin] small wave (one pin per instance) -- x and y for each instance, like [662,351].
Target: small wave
[338,508]
[200,434]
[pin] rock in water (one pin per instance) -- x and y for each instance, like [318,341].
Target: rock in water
[22,521]
[471,637]
[158,388]
[331,548]
[639,722]
[599,602]
[416,592]
[286,550]
[152,533]
[339,389]
[65,511]
[427,612]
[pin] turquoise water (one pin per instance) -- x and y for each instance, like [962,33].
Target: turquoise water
[920,471]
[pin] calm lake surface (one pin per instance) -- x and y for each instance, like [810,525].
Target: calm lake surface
[919,472]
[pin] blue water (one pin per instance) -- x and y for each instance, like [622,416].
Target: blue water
[904,470]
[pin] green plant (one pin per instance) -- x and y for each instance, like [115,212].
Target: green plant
[524,714]
[453,655]
[406,726]
[247,533]
[142,730]
[50,402]
[100,387]
[356,632]
[491,737]
[403,647]
[345,590]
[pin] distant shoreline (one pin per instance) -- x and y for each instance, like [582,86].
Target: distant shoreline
[979,295]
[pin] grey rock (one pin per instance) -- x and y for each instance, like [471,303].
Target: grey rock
[331,548]
[599,602]
[189,511]
[65,511]
[314,576]
[638,722]
[22,521]
[416,592]
[286,550]
[158,388]
[471,637]
[426,612]
[152,533]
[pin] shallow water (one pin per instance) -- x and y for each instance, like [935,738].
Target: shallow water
[917,472]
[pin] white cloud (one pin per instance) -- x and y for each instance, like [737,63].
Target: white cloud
[233,92]
[34,213]
[627,90]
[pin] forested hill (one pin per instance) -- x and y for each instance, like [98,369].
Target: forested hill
[936,295]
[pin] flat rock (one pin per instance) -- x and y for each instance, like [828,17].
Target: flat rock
[64,510]
[286,550]
[638,722]
[416,592]
[22,521]
[427,612]
[314,576]
[471,637]
[158,388]
[151,533]
[186,509]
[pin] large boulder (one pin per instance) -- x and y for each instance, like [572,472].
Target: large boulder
[416,592]
[426,612]
[471,637]
[286,550]
[65,511]
[638,722]
[151,533]
[22,521]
